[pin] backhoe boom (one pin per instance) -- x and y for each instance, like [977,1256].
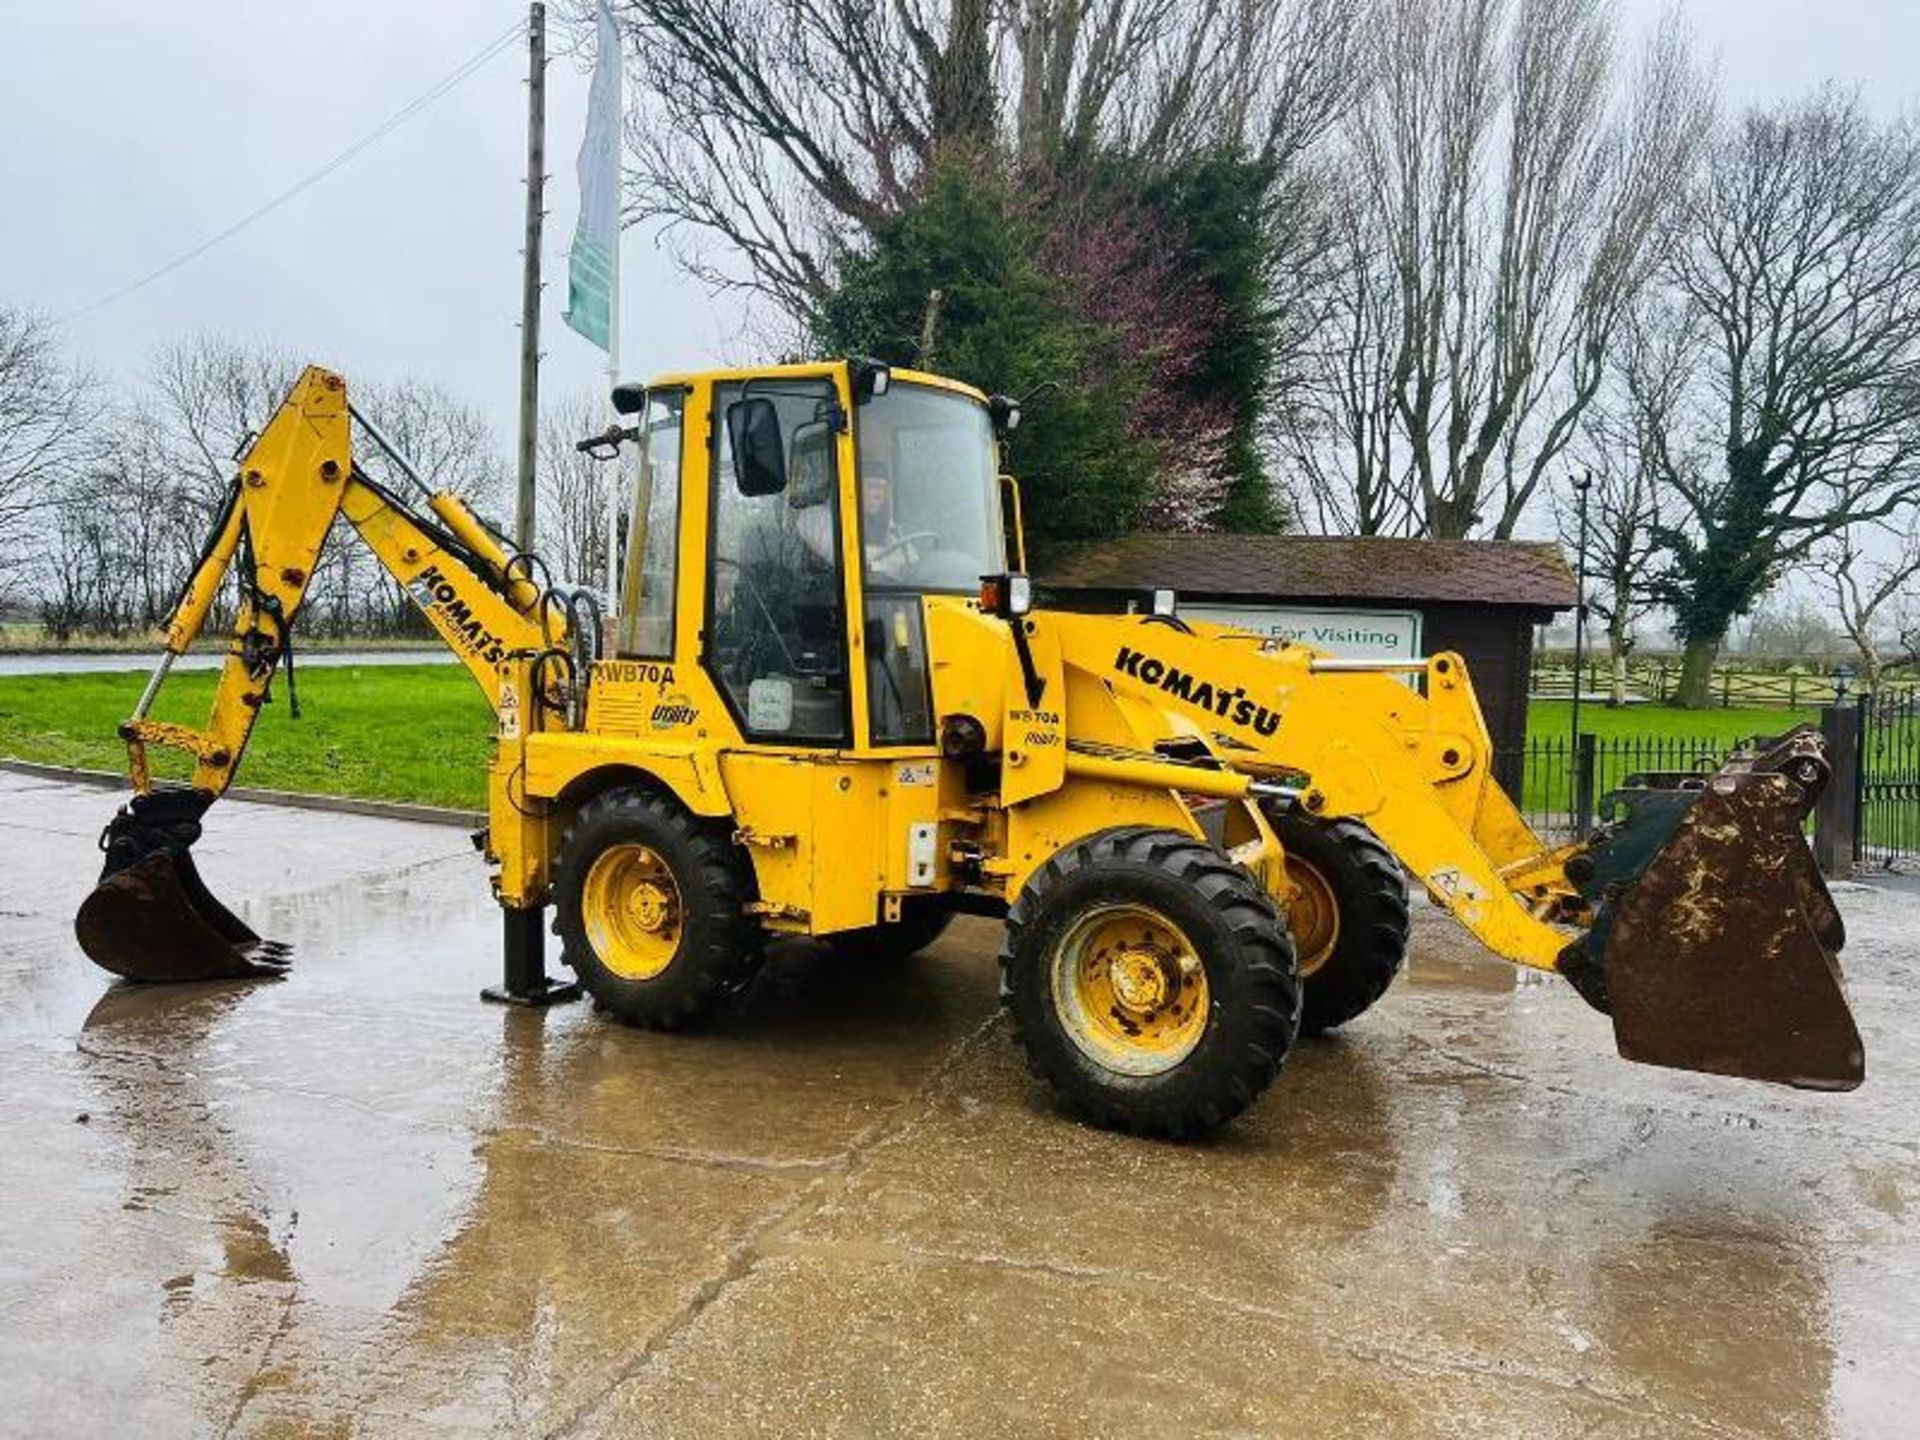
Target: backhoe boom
[294,482]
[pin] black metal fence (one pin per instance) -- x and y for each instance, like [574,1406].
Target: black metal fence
[1870,817]
[1563,783]
[1887,805]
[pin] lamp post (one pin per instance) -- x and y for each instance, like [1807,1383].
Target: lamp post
[1583,765]
[1580,488]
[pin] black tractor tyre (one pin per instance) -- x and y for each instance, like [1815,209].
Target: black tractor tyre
[1239,937]
[922,921]
[718,945]
[1369,892]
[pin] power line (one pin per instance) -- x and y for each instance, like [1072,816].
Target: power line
[373,137]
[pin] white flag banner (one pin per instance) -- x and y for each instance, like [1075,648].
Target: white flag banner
[594,259]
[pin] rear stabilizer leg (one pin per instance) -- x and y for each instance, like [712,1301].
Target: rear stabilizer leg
[524,980]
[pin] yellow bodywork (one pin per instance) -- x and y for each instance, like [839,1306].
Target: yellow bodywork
[1137,720]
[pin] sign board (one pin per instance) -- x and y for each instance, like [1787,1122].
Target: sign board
[1358,634]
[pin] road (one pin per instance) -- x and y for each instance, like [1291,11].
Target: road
[358,1199]
[209,659]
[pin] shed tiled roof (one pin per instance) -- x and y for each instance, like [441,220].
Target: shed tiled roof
[1323,567]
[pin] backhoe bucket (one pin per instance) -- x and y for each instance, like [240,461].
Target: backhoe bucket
[151,917]
[1714,939]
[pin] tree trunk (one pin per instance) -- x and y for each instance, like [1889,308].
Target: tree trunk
[1696,673]
[1617,694]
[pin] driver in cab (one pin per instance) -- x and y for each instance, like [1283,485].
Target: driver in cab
[890,554]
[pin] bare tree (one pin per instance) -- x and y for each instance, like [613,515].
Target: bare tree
[1623,513]
[573,492]
[1873,593]
[1792,626]
[1801,275]
[1333,421]
[209,395]
[1623,446]
[112,521]
[44,417]
[452,446]
[1510,187]
[778,132]
[131,516]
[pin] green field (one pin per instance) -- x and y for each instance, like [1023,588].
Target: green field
[422,732]
[1555,717]
[399,732]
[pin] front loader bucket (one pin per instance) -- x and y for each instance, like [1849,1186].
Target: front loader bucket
[151,917]
[1714,939]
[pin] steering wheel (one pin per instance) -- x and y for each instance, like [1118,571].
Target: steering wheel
[884,551]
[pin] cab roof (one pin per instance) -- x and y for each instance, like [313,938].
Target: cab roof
[807,370]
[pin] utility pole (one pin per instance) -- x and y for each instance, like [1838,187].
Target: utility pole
[530,273]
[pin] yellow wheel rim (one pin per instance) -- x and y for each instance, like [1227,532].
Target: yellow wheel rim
[1130,989]
[632,911]
[1313,915]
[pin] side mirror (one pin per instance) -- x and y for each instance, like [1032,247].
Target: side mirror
[629,398]
[753,438]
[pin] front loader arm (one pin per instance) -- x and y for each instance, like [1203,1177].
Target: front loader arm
[1415,769]
[293,482]
[1697,920]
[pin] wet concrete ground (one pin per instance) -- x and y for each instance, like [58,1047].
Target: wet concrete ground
[358,1201]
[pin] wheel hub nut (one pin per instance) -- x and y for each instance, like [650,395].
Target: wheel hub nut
[650,906]
[1143,981]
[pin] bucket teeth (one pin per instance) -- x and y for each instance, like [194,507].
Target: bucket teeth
[152,918]
[1713,945]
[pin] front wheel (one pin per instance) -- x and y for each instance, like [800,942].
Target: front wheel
[1151,981]
[1347,909]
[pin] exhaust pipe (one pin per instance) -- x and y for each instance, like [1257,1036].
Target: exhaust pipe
[1714,941]
[151,918]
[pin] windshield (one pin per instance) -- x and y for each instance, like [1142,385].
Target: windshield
[929,491]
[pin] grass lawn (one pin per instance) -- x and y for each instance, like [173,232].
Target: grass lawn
[402,732]
[422,732]
[1555,717]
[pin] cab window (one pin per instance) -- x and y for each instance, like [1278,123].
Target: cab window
[653,534]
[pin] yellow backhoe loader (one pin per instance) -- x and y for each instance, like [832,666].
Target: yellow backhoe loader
[831,709]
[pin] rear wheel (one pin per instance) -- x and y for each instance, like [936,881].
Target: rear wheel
[1348,914]
[1151,981]
[650,908]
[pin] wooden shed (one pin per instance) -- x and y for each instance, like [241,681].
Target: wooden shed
[1354,595]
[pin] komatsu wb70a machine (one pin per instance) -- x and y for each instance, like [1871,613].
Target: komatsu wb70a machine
[830,709]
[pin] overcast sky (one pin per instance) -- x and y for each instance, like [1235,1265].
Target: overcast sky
[135,130]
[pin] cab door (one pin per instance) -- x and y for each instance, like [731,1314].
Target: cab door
[776,639]
[780,649]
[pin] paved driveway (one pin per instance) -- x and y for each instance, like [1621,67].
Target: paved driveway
[360,1201]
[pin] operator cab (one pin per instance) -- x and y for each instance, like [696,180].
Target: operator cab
[805,467]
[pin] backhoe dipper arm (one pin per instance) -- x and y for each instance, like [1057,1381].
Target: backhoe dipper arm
[294,480]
